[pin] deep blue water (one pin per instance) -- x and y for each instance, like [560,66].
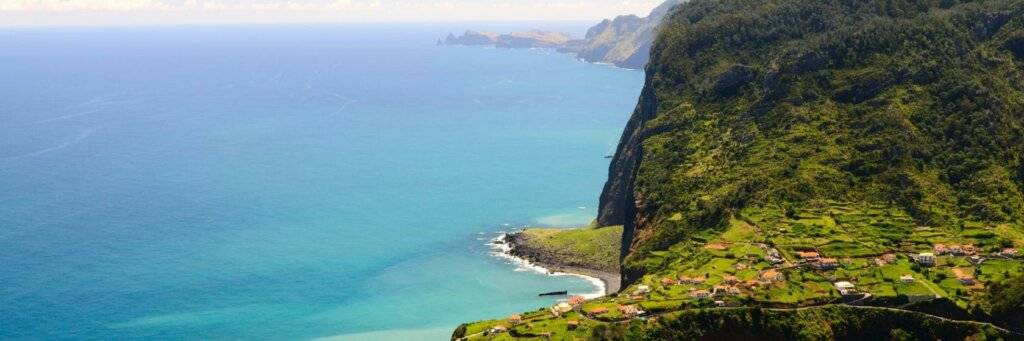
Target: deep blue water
[285,182]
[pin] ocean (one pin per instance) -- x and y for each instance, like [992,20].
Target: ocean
[287,181]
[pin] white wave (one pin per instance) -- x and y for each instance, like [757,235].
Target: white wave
[501,249]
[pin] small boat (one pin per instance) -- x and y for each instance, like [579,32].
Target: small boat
[555,293]
[608,156]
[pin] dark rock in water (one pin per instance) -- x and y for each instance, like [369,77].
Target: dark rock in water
[554,293]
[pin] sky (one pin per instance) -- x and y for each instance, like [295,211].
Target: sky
[176,12]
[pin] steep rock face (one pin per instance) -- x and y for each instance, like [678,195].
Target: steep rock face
[618,204]
[626,40]
[911,104]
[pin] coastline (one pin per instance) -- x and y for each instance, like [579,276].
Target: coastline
[505,246]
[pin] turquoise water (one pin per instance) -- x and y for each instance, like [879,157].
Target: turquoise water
[286,182]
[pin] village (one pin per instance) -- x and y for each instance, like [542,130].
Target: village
[764,258]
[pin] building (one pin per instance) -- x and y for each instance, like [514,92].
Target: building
[940,249]
[630,311]
[642,290]
[956,250]
[889,257]
[725,290]
[1009,252]
[751,284]
[809,255]
[969,249]
[730,279]
[826,263]
[498,329]
[560,309]
[700,294]
[772,276]
[846,288]
[926,259]
[668,282]
[688,280]
[597,311]
[773,257]
[572,324]
[907,279]
[719,303]
[515,319]
[576,301]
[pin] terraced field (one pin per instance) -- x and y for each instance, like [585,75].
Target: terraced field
[755,261]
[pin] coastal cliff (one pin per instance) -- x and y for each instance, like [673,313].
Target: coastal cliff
[813,170]
[624,41]
[748,103]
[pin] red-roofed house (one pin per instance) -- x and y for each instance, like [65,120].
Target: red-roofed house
[629,311]
[576,301]
[772,275]
[597,311]
[810,255]
[827,263]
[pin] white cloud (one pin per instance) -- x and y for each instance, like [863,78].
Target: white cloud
[42,12]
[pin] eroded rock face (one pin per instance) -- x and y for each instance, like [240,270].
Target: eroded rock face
[618,202]
[626,40]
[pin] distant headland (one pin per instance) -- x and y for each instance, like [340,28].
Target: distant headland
[624,41]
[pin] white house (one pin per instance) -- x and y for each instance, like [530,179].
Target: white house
[926,259]
[846,288]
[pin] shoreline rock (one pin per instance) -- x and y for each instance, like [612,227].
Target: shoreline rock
[518,246]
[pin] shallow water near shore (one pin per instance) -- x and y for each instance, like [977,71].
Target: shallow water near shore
[286,182]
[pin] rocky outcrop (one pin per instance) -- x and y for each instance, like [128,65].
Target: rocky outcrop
[521,245]
[472,38]
[626,40]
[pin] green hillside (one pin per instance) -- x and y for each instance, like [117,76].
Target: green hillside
[916,105]
[869,133]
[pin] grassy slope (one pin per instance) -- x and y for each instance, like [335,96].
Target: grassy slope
[598,248]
